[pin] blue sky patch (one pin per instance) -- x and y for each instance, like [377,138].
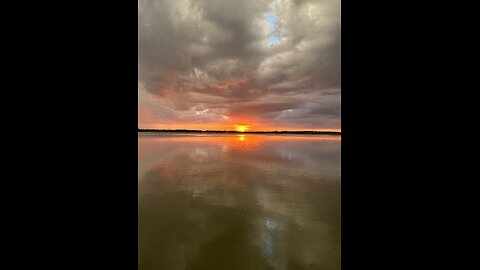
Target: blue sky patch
[272,20]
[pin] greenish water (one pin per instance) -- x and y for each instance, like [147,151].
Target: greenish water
[238,201]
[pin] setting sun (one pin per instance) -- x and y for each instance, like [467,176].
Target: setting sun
[242,128]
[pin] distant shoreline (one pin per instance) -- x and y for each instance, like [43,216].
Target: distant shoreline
[309,132]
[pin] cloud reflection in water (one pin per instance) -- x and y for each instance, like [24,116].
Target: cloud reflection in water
[239,202]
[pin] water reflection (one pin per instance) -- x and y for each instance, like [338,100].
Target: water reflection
[239,201]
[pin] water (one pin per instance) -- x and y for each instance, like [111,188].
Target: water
[234,201]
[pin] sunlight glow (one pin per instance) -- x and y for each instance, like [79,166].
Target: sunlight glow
[242,128]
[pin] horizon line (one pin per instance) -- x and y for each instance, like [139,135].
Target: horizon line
[235,131]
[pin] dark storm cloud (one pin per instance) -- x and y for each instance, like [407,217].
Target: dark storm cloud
[213,57]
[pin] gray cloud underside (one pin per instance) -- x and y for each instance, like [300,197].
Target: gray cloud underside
[213,55]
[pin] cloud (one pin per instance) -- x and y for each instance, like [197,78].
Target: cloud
[217,57]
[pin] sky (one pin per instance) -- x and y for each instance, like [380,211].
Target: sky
[214,64]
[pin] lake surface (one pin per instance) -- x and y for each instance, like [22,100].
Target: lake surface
[230,201]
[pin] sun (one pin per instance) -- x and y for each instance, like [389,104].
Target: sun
[242,128]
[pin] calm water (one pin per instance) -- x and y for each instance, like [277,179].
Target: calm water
[242,202]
